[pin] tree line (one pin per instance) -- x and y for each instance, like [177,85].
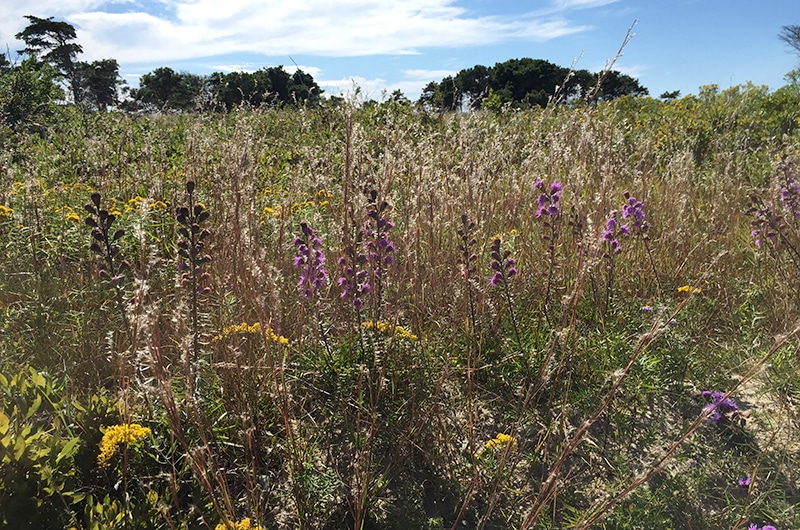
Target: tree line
[525,83]
[49,71]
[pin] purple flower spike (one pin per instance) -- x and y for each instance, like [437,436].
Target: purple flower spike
[313,275]
[504,266]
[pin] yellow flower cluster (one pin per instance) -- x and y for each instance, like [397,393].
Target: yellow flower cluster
[250,329]
[116,435]
[388,329]
[6,212]
[320,199]
[244,524]
[136,202]
[501,440]
[689,289]
[70,214]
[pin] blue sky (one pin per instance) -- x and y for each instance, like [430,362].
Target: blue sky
[383,45]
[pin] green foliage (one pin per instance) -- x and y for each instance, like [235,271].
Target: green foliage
[50,41]
[28,95]
[269,86]
[524,83]
[444,400]
[163,88]
[38,480]
[98,83]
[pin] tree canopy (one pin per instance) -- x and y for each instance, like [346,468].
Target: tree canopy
[524,83]
[791,36]
[51,41]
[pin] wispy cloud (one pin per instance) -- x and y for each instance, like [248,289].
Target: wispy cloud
[149,31]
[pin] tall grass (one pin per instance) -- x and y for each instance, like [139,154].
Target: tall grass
[370,317]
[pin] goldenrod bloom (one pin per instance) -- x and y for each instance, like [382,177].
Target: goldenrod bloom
[244,524]
[116,435]
[388,329]
[250,329]
[501,440]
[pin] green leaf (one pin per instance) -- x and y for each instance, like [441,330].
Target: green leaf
[69,449]
[34,408]
[38,379]
[4,422]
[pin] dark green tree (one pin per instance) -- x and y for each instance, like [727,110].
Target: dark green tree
[163,88]
[670,95]
[51,41]
[99,83]
[526,82]
[440,97]
[791,36]
[268,86]
[615,84]
[28,95]
[473,84]
[5,64]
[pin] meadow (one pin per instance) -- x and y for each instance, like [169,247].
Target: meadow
[368,316]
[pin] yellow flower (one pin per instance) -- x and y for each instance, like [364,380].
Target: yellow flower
[244,524]
[250,329]
[116,435]
[501,440]
[689,289]
[6,212]
[389,329]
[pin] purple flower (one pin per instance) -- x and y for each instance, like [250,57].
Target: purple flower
[719,406]
[768,527]
[744,482]
[313,274]
[502,264]
[547,201]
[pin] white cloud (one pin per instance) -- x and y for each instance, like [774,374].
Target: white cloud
[428,75]
[150,31]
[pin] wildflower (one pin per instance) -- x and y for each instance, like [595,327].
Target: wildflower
[504,266]
[790,196]
[692,462]
[116,435]
[502,440]
[719,406]
[389,329]
[647,308]
[244,524]
[6,212]
[744,482]
[634,212]
[611,235]
[547,203]
[310,260]
[250,329]
[689,289]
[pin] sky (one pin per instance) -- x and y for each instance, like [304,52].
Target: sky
[386,45]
